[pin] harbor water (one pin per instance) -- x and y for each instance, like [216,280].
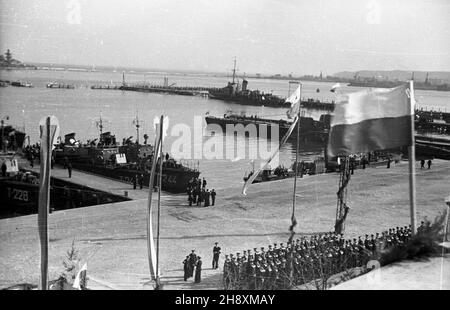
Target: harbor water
[78,110]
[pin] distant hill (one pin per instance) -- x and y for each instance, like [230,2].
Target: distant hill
[400,75]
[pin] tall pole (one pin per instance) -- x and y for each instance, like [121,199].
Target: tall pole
[412,161]
[296,159]
[3,142]
[47,136]
[159,201]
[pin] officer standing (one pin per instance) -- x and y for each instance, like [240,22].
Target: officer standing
[198,271]
[4,168]
[141,181]
[207,195]
[192,262]
[186,268]
[190,197]
[135,181]
[69,168]
[213,196]
[216,255]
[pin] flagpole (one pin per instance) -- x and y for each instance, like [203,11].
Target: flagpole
[44,194]
[159,201]
[296,160]
[412,161]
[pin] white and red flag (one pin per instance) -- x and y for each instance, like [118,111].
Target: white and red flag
[370,120]
[294,100]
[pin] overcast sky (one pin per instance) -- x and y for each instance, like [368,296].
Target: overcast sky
[266,36]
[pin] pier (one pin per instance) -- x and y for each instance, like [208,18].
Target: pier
[112,237]
[104,184]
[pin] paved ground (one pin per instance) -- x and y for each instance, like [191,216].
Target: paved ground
[112,238]
[97,182]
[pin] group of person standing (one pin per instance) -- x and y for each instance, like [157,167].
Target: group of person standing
[138,179]
[198,193]
[193,264]
[307,258]
[422,164]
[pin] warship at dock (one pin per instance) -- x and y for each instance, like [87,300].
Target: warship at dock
[129,162]
[311,131]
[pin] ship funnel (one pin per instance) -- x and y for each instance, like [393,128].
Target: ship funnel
[244,85]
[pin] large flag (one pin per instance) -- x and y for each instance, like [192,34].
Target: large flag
[282,142]
[294,100]
[370,120]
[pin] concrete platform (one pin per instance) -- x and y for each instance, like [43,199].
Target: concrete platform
[101,183]
[112,237]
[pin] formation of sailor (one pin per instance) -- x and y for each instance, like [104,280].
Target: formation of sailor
[301,261]
[192,264]
[198,193]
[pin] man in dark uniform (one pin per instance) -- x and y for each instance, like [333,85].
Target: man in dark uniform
[207,195]
[204,183]
[198,271]
[192,262]
[135,181]
[422,164]
[429,163]
[186,268]
[216,255]
[213,196]
[69,168]
[4,168]
[141,181]
[190,197]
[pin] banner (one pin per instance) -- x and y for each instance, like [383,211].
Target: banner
[282,142]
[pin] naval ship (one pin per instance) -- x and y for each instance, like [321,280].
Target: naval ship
[126,162]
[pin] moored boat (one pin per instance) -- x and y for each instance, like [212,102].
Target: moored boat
[311,131]
[129,162]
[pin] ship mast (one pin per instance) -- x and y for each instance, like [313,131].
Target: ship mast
[100,126]
[136,122]
[234,69]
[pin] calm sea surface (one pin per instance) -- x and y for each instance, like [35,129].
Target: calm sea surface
[79,109]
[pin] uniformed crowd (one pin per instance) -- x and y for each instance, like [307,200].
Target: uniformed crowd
[305,259]
[198,193]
